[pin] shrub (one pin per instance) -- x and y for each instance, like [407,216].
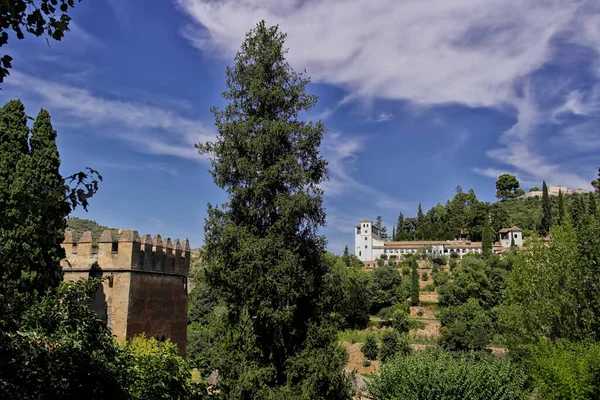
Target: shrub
[424,276]
[430,287]
[440,278]
[392,345]
[366,363]
[438,375]
[566,370]
[420,313]
[384,257]
[399,321]
[369,348]
[438,261]
[466,327]
[452,263]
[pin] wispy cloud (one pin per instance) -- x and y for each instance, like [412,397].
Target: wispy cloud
[136,167]
[147,128]
[341,151]
[465,52]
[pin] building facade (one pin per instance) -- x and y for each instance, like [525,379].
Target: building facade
[145,290]
[554,191]
[369,246]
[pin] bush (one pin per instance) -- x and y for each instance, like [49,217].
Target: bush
[438,375]
[424,276]
[430,287]
[466,327]
[400,321]
[370,348]
[420,313]
[392,345]
[565,370]
[438,261]
[452,263]
[440,278]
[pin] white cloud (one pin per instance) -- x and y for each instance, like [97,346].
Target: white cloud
[383,117]
[468,52]
[147,128]
[342,152]
[464,51]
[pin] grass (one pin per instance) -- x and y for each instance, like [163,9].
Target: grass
[354,336]
[422,339]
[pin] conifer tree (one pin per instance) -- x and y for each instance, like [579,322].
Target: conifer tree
[420,221]
[561,207]
[487,237]
[263,248]
[346,256]
[399,227]
[414,282]
[546,210]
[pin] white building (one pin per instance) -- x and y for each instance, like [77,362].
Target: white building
[553,191]
[369,246]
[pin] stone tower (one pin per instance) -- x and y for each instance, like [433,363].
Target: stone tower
[145,290]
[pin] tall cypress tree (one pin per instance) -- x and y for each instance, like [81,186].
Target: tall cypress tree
[263,248]
[399,227]
[487,237]
[414,282]
[561,207]
[14,150]
[546,210]
[420,221]
[346,256]
[45,164]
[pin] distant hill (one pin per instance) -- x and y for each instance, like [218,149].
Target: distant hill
[80,225]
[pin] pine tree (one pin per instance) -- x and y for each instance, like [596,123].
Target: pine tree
[546,210]
[263,247]
[561,207]
[577,209]
[487,238]
[414,282]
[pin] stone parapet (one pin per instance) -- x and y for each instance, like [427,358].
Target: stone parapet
[129,252]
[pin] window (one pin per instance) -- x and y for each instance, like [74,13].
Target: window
[365,238]
[360,253]
[515,235]
[366,247]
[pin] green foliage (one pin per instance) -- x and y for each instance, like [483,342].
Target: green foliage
[347,292]
[370,348]
[439,375]
[506,186]
[157,371]
[553,291]
[80,225]
[34,202]
[565,370]
[37,17]
[414,280]
[465,327]
[264,254]
[385,284]
[561,207]
[62,349]
[400,321]
[393,344]
[440,278]
[546,210]
[487,238]
[469,280]
[425,276]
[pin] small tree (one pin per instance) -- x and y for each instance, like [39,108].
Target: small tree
[346,256]
[393,344]
[414,287]
[486,244]
[370,348]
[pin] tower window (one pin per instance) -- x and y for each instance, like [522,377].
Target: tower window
[366,247]
[365,238]
[360,253]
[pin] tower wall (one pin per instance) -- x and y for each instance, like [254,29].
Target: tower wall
[145,290]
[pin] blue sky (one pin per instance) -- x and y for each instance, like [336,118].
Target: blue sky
[418,97]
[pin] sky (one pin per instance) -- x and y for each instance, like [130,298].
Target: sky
[418,96]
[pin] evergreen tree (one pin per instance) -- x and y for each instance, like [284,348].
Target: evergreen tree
[346,256]
[414,282]
[546,210]
[399,227]
[487,238]
[420,222]
[263,249]
[561,207]
[592,204]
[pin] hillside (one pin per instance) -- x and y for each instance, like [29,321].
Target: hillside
[80,225]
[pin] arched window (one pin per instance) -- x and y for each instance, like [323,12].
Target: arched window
[360,253]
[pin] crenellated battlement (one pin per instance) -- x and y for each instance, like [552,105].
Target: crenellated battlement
[128,252]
